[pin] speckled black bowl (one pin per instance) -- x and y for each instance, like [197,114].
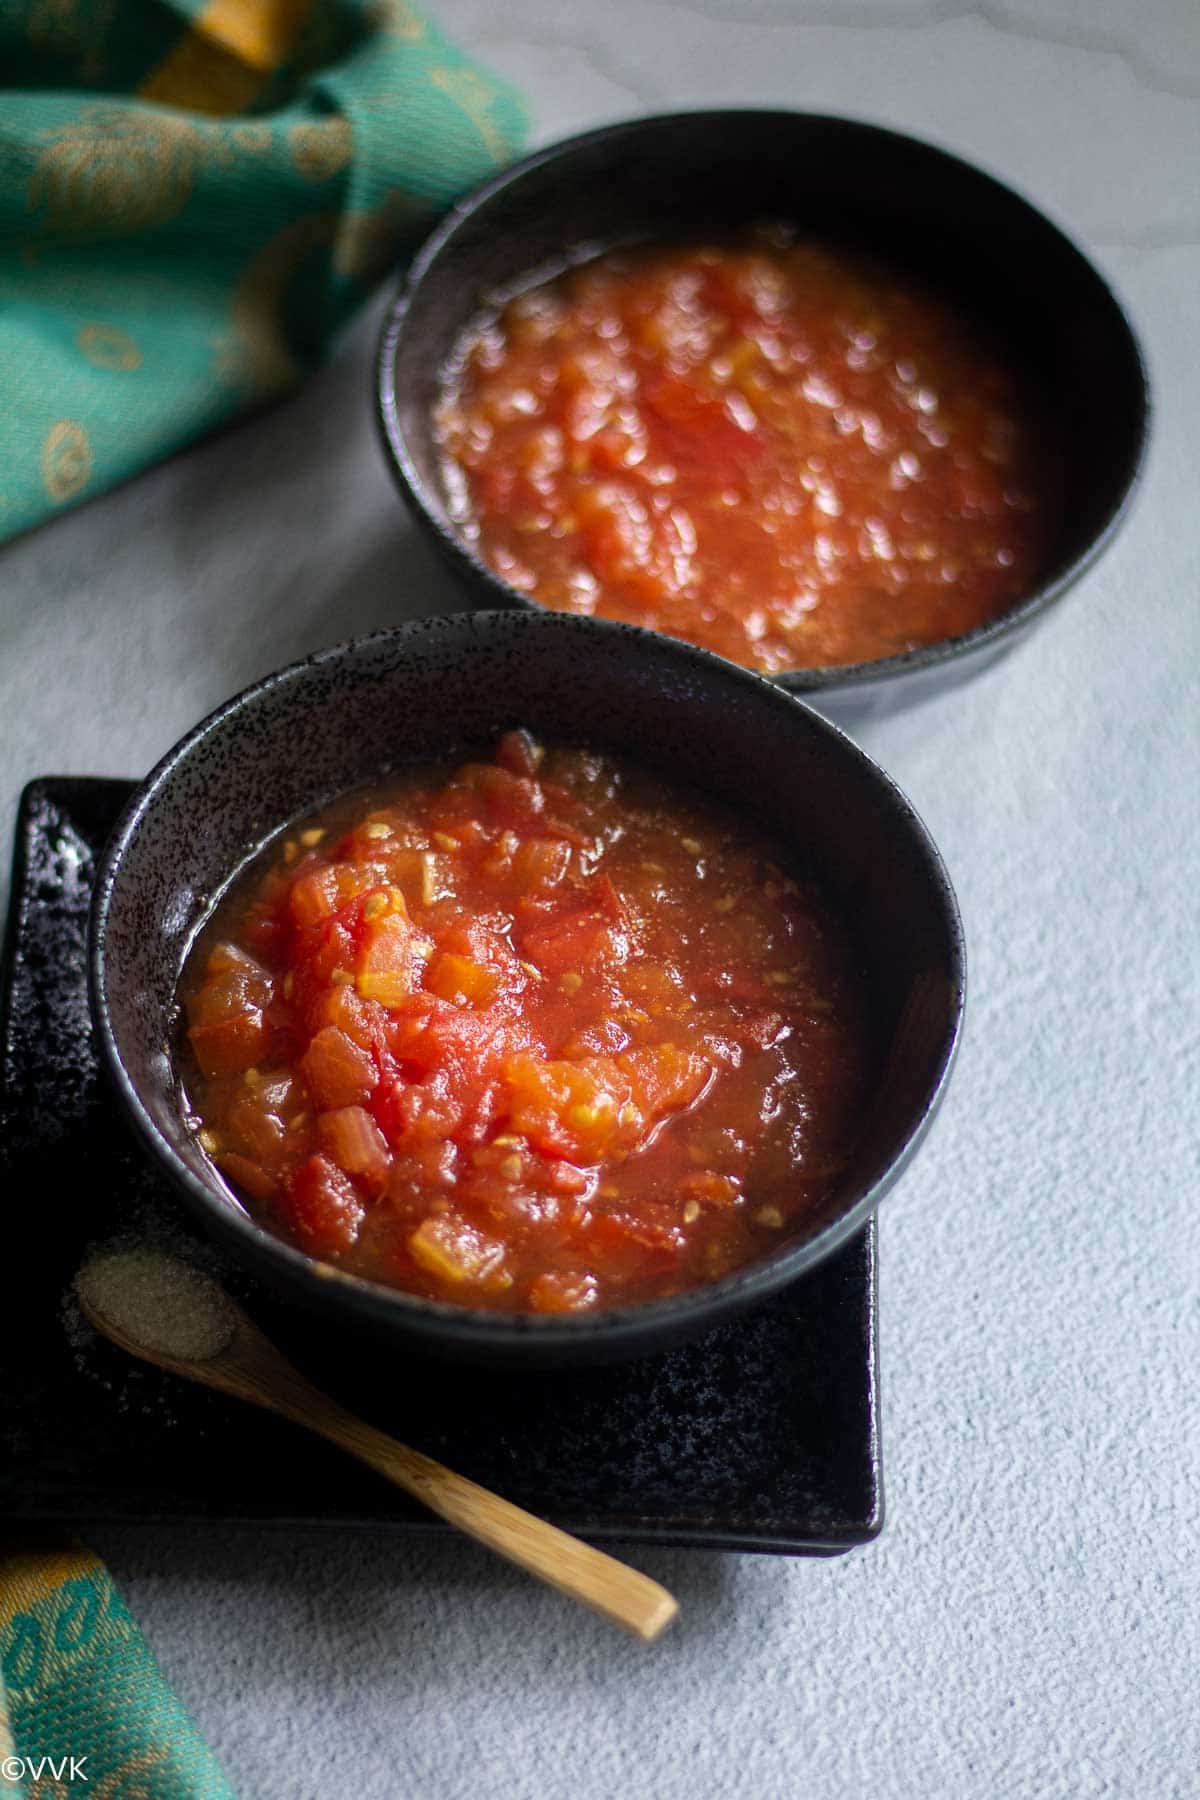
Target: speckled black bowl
[347,716]
[701,173]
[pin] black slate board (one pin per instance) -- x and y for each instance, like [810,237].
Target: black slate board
[763,1435]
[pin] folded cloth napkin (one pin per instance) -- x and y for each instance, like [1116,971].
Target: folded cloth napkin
[193,195]
[84,1708]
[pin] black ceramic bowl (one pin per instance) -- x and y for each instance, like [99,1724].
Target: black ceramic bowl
[701,173]
[439,685]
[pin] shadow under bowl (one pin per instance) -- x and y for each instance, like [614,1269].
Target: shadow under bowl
[702,174]
[349,715]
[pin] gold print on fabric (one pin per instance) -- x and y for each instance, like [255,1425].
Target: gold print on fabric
[473,95]
[321,150]
[66,461]
[254,140]
[398,19]
[116,172]
[67,1610]
[47,1787]
[109,348]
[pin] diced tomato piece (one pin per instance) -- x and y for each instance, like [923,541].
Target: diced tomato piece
[578,942]
[457,1037]
[315,896]
[406,1032]
[583,1110]
[323,1207]
[231,1044]
[601,1039]
[420,1112]
[228,959]
[481,938]
[519,752]
[332,958]
[337,1071]
[390,959]
[483,1109]
[556,1292]
[280,1093]
[451,1250]
[416,1172]
[233,983]
[665,1079]
[364,1022]
[511,800]
[419,1053]
[541,862]
[372,838]
[354,1141]
[254,1123]
[353,879]
[228,1027]
[563,1108]
[420,874]
[245,1173]
[461,980]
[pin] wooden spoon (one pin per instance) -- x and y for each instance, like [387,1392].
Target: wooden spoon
[246,1364]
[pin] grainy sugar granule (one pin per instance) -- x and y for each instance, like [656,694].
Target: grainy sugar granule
[161,1303]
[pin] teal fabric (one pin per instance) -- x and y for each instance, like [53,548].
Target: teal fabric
[84,1708]
[193,197]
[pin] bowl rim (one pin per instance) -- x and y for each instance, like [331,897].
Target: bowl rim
[993,633]
[479,1327]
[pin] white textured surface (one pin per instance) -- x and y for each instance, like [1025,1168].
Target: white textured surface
[1027,1626]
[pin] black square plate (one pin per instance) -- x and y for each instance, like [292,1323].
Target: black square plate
[762,1435]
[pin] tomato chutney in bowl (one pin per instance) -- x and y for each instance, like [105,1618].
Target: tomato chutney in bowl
[533,1031]
[785,453]
[810,394]
[526,987]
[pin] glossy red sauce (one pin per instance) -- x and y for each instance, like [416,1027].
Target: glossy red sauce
[778,451]
[535,1033]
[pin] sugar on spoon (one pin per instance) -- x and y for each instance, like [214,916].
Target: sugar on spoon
[170,1313]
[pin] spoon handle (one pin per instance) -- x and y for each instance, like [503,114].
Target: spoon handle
[609,1587]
